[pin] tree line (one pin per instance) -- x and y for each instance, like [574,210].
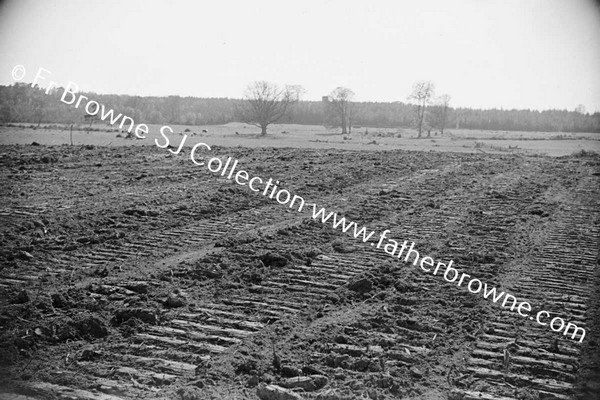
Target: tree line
[25,104]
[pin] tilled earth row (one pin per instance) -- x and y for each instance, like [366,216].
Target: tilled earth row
[129,272]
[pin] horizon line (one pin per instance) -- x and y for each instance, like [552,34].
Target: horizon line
[500,108]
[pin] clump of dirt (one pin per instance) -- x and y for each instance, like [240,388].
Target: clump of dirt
[146,315]
[275,260]
[83,326]
[21,298]
[90,327]
[175,299]
[361,284]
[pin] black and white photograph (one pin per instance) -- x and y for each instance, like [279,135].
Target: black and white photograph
[300,200]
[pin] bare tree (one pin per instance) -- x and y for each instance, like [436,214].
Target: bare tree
[440,112]
[267,103]
[339,108]
[422,93]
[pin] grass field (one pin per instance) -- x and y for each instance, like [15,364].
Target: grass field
[318,137]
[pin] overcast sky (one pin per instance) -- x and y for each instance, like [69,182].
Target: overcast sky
[509,53]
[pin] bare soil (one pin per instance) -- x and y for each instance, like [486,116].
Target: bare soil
[127,272]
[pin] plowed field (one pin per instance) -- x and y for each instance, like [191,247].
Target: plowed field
[130,273]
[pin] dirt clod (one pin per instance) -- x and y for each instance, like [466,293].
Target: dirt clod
[361,285]
[308,383]
[174,301]
[91,327]
[137,286]
[89,355]
[23,255]
[274,392]
[274,260]
[289,372]
[143,314]
[21,298]
[58,300]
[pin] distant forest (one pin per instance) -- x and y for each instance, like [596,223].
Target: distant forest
[22,103]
